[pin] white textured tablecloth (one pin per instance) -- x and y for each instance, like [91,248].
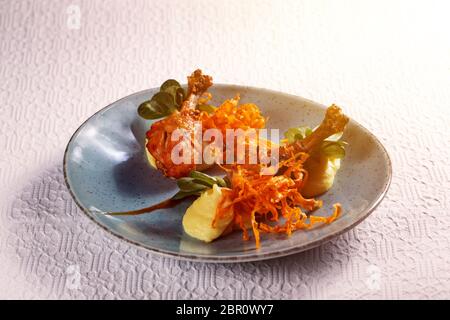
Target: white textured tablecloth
[386,62]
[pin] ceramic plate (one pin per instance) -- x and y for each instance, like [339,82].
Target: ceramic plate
[106,170]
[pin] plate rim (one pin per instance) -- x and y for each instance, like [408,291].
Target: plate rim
[254,256]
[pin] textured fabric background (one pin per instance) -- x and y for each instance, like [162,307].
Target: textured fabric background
[386,62]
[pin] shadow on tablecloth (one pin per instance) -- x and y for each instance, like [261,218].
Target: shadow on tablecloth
[61,253]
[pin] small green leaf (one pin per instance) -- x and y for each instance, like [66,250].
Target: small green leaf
[152,110]
[169,83]
[165,100]
[178,95]
[188,184]
[196,183]
[203,178]
[294,134]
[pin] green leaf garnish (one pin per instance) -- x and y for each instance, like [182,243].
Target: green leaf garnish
[294,134]
[189,184]
[196,183]
[163,103]
[166,100]
[169,83]
[177,94]
[152,110]
[203,178]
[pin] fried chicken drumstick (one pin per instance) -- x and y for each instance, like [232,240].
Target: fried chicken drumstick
[160,144]
[229,115]
[334,122]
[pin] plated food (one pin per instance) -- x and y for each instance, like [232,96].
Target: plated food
[106,170]
[253,195]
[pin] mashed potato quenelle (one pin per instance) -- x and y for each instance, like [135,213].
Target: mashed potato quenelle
[199,217]
[321,173]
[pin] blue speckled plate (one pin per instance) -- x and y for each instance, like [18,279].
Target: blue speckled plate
[106,170]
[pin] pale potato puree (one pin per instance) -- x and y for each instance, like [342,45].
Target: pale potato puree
[198,219]
[321,173]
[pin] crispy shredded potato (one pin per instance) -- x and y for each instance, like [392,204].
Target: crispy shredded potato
[264,199]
